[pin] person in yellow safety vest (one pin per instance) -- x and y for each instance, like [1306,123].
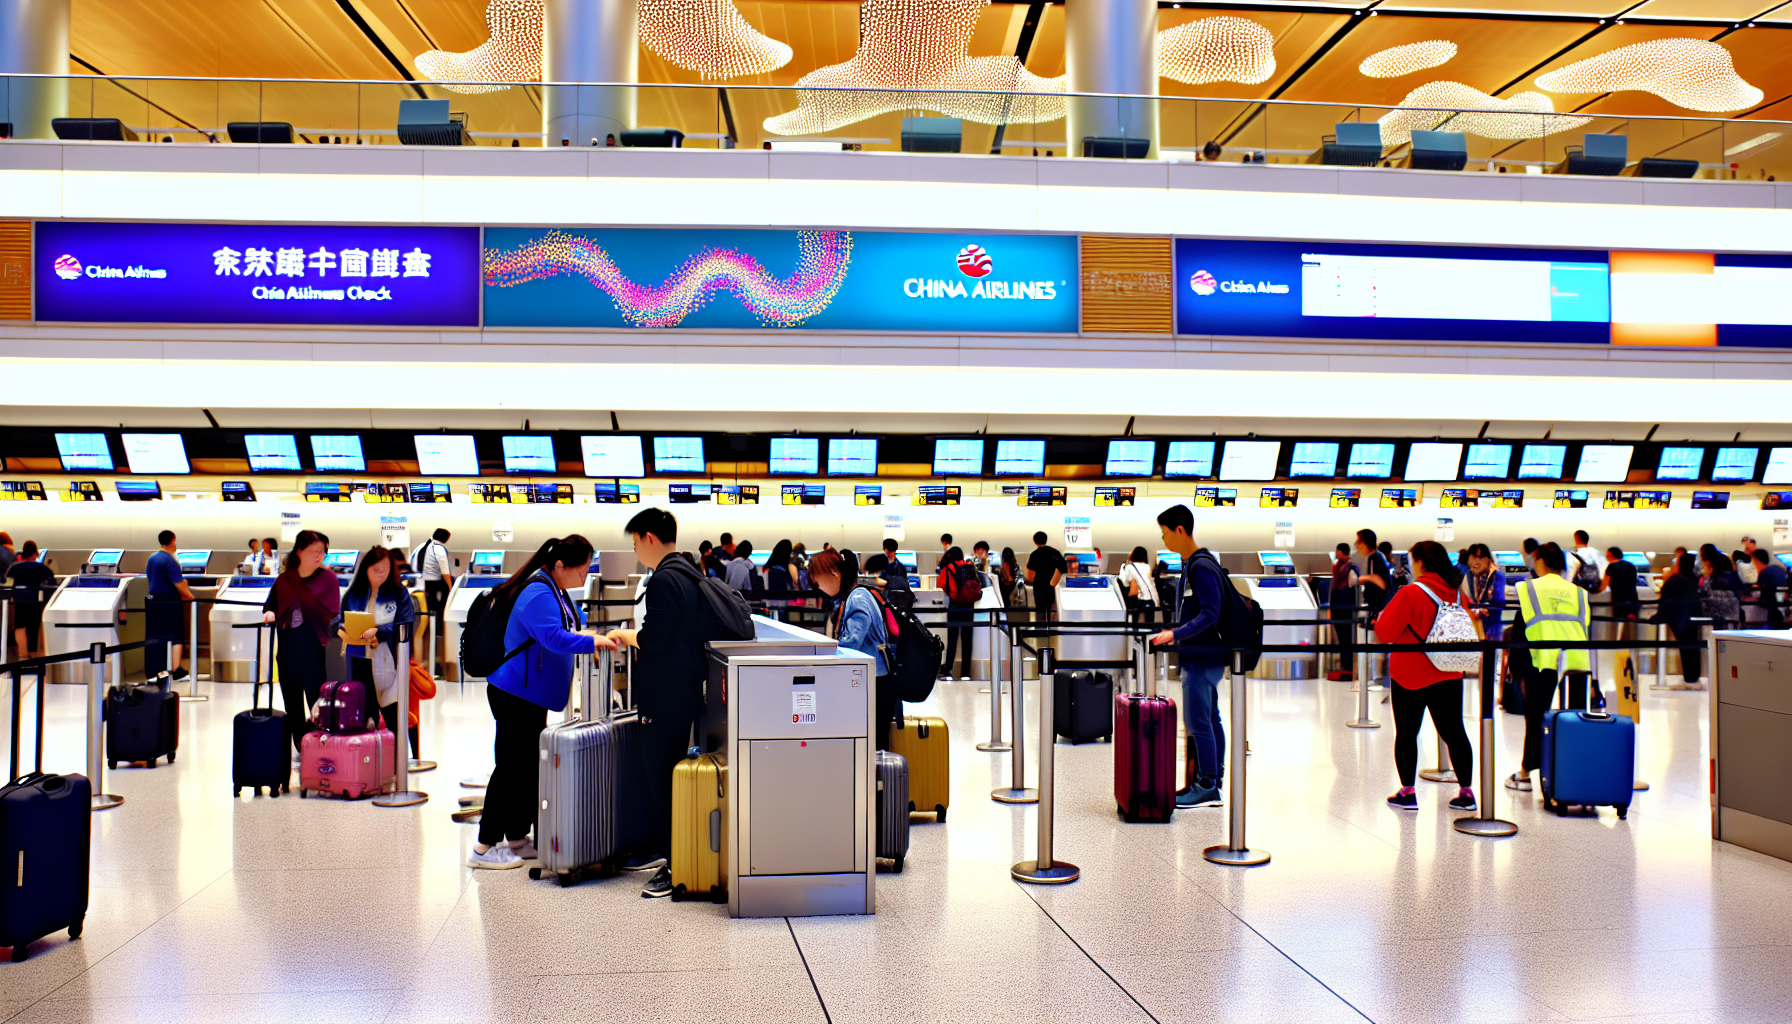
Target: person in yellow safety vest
[1550,607]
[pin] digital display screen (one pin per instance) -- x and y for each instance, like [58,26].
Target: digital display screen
[1020,458]
[935,494]
[805,494]
[611,493]
[737,494]
[1083,563]
[1488,462]
[84,452]
[1278,497]
[1735,465]
[1172,561]
[1189,458]
[1636,499]
[1570,499]
[138,490]
[320,491]
[447,455]
[1506,499]
[236,490]
[678,455]
[852,456]
[1129,457]
[795,456]
[489,494]
[106,556]
[1542,462]
[273,453]
[1346,497]
[1314,459]
[1677,463]
[192,561]
[1457,497]
[958,457]
[1777,499]
[1603,464]
[612,455]
[1432,460]
[1276,559]
[489,559]
[533,453]
[155,453]
[1370,460]
[337,453]
[1399,497]
[1250,460]
[1779,466]
[341,560]
[1638,559]
[427,493]
[1216,497]
[868,494]
[1115,497]
[1710,499]
[687,494]
[1045,494]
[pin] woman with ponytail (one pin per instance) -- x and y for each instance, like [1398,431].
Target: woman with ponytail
[304,600]
[546,625]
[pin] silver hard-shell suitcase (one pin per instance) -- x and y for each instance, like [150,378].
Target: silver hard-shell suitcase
[578,825]
[892,807]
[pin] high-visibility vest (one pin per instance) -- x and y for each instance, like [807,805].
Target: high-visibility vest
[1555,609]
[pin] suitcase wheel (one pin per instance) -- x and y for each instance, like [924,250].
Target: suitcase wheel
[570,878]
[898,868]
[1109,738]
[301,792]
[535,873]
[911,807]
[111,765]
[941,811]
[20,952]
[152,764]
[678,894]
[74,930]
[1623,810]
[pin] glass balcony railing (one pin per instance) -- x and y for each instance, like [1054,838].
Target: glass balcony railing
[1173,128]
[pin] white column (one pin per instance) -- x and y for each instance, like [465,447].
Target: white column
[1110,46]
[588,41]
[34,40]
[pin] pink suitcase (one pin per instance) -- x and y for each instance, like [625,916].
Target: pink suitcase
[342,707]
[351,766]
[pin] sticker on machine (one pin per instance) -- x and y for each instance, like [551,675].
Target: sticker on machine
[802,706]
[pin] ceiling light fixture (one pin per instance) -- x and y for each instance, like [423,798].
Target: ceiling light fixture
[1404,60]
[1218,49]
[1527,115]
[1693,73]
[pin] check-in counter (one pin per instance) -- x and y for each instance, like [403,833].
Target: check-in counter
[1751,740]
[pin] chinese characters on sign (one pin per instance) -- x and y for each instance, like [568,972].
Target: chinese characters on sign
[253,262]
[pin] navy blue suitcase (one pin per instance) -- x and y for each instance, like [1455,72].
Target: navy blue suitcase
[142,724]
[46,837]
[259,748]
[1589,757]
[1083,706]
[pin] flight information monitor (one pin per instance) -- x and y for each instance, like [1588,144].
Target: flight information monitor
[1432,460]
[795,456]
[852,456]
[1216,497]
[337,453]
[1399,497]
[1130,457]
[1542,462]
[155,453]
[1346,497]
[1603,464]
[1779,466]
[1678,463]
[446,455]
[1488,462]
[1570,499]
[84,452]
[1314,459]
[1276,563]
[958,457]
[138,490]
[1189,458]
[1250,460]
[1370,460]
[273,453]
[529,453]
[1710,499]
[1459,497]
[868,494]
[612,455]
[687,494]
[427,493]
[1735,465]
[1020,458]
[678,455]
[235,490]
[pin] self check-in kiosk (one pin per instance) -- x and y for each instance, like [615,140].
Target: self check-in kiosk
[84,609]
[1289,614]
[239,602]
[990,599]
[1091,599]
[484,571]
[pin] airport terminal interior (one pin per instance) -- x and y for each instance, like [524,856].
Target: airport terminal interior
[1104,510]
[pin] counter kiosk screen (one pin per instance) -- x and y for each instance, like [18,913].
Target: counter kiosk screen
[1083,563]
[1636,499]
[236,490]
[1638,559]
[492,561]
[1710,499]
[1276,563]
[1506,499]
[612,455]
[1785,558]
[1432,460]
[1677,463]
[760,558]
[1542,462]
[1603,464]
[23,490]
[613,493]
[155,453]
[192,563]
[1115,497]
[489,494]
[84,451]
[1314,459]
[952,457]
[1510,562]
[1189,458]
[337,453]
[678,455]
[687,494]
[1777,499]
[1570,499]
[1346,497]
[341,561]
[83,490]
[1735,465]
[1216,497]
[1278,497]
[529,453]
[1779,467]
[273,453]
[868,494]
[1130,457]
[907,560]
[138,490]
[852,456]
[1172,561]
[1045,494]
[1020,458]
[1457,497]
[428,493]
[1370,461]
[1250,460]
[796,456]
[735,494]
[1399,497]
[1488,462]
[933,494]
[388,494]
[547,494]
[805,494]
[105,556]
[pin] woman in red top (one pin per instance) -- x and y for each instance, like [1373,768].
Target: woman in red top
[305,599]
[1420,686]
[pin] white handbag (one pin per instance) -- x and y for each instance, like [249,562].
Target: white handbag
[1452,625]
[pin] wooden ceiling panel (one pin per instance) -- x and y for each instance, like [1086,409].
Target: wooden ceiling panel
[1489,54]
[223,38]
[1760,55]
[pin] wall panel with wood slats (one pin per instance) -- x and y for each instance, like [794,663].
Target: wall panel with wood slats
[1127,285]
[15,270]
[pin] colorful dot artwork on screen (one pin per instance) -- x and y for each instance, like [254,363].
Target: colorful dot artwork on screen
[822,261]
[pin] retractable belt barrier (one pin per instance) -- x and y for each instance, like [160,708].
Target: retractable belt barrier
[97,656]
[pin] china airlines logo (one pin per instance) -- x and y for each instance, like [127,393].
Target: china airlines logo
[1203,283]
[67,267]
[974,262]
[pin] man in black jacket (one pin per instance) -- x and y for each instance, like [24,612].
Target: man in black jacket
[669,692]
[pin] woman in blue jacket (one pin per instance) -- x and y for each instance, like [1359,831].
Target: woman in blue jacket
[547,625]
[860,626]
[376,658]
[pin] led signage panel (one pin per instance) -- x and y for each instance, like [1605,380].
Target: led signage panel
[85,452]
[852,456]
[1542,462]
[795,456]
[1314,459]
[257,274]
[613,455]
[1130,457]
[337,453]
[273,453]
[529,453]
[1677,462]
[1250,460]
[678,455]
[446,455]
[1189,458]
[1370,461]
[1735,465]
[1488,462]
[957,457]
[1020,458]
[155,453]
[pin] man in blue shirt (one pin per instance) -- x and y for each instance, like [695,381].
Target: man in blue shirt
[1196,634]
[163,612]
[1770,576]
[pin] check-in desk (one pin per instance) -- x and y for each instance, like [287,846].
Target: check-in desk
[239,602]
[1751,740]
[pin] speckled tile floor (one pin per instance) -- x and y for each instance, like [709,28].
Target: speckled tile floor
[207,908]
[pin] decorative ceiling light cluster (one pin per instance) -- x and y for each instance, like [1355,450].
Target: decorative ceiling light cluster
[1218,49]
[919,45]
[1404,60]
[1527,115]
[1693,73]
[511,53]
[706,36]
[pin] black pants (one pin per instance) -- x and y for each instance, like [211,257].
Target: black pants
[1539,697]
[1444,701]
[1344,631]
[300,659]
[435,600]
[514,790]
[162,625]
[955,634]
[664,743]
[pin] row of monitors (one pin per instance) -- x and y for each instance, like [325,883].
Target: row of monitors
[623,456]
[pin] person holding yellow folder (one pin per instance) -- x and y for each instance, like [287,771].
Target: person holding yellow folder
[374,610]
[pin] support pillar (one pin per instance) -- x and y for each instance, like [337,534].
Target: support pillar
[588,41]
[33,40]
[1110,46]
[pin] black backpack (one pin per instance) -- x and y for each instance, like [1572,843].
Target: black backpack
[482,649]
[912,655]
[727,616]
[1241,619]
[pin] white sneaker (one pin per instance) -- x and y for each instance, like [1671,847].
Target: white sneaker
[499,858]
[525,851]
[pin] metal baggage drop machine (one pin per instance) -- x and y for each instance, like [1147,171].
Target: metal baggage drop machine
[1290,614]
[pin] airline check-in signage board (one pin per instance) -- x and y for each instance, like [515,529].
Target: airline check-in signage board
[731,279]
[257,274]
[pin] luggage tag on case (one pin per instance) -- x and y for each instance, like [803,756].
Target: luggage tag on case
[326,766]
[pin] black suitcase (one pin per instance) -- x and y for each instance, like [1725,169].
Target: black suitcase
[892,808]
[1083,708]
[46,833]
[259,748]
[142,724]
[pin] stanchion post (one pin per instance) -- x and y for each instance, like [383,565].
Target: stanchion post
[96,727]
[1044,868]
[1443,772]
[402,795]
[1484,823]
[192,693]
[1017,791]
[995,744]
[1236,853]
[1365,664]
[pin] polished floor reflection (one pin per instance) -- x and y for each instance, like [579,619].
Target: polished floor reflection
[208,908]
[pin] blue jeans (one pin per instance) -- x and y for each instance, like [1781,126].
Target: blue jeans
[1201,716]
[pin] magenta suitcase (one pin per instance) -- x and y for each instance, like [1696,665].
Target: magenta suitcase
[1145,757]
[352,766]
[342,707]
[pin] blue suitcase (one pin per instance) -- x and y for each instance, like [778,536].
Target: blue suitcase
[1589,757]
